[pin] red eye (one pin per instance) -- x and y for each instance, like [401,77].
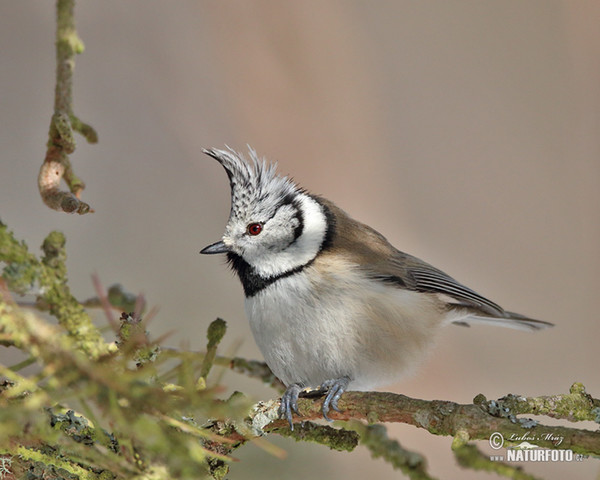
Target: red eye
[254,228]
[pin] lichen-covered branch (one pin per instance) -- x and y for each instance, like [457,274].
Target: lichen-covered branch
[145,425]
[575,406]
[478,420]
[469,456]
[252,369]
[376,439]
[61,140]
[339,439]
[47,278]
[249,368]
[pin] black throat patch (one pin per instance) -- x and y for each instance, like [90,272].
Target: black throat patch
[252,281]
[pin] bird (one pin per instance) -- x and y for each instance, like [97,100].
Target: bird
[332,305]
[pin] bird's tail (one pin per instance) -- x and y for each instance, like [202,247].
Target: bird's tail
[510,320]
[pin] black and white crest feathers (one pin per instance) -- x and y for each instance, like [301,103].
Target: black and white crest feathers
[251,181]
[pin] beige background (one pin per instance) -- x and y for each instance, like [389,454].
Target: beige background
[466,132]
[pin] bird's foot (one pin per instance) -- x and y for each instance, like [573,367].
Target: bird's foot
[332,389]
[289,403]
[335,389]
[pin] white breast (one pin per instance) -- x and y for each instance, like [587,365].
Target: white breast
[328,322]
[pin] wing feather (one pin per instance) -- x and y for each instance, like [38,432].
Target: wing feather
[430,279]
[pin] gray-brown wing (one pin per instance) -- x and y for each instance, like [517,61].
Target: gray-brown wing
[372,253]
[422,277]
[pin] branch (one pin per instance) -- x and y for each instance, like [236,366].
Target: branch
[252,369]
[61,141]
[23,270]
[450,418]
[469,456]
[375,438]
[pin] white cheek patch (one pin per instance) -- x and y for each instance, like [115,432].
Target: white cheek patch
[279,230]
[302,251]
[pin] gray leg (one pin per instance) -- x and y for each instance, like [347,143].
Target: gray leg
[336,387]
[289,403]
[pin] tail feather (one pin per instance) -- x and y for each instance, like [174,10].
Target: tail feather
[511,320]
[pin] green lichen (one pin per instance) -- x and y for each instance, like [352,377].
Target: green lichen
[575,406]
[23,270]
[78,428]
[119,297]
[133,336]
[336,439]
[43,463]
[56,294]
[62,133]
[433,419]
[21,267]
[376,439]
[252,369]
[372,417]
[469,456]
[216,331]
[460,439]
[84,129]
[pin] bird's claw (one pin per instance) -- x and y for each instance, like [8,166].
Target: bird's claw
[289,403]
[334,388]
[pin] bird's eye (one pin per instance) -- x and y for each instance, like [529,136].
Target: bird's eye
[255,228]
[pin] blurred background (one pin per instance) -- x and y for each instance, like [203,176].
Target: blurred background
[466,132]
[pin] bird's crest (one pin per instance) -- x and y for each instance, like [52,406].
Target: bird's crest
[252,182]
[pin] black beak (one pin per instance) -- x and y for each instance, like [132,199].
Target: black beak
[218,247]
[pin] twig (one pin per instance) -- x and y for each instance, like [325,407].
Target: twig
[252,369]
[23,270]
[469,456]
[375,438]
[61,141]
[214,335]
